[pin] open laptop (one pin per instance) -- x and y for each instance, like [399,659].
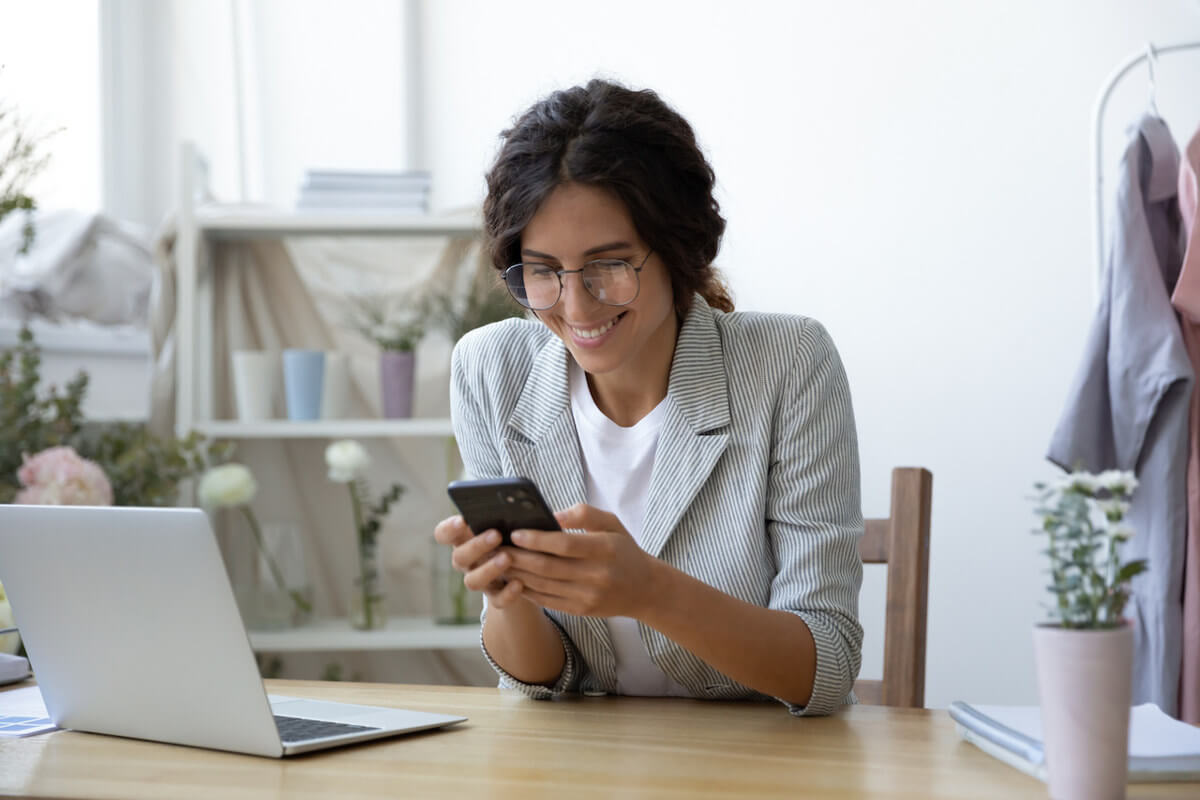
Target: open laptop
[130,623]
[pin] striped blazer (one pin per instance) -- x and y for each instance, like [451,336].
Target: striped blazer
[755,487]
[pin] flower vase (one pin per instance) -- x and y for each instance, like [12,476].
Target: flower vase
[453,602]
[366,600]
[1085,688]
[275,593]
[397,369]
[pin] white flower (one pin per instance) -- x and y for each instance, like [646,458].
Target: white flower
[1113,509]
[1117,481]
[227,485]
[347,460]
[1122,533]
[1080,481]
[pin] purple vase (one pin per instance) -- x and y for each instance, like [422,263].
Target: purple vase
[396,370]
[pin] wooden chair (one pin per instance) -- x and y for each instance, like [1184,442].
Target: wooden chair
[902,542]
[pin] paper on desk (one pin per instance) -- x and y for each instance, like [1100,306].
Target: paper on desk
[22,712]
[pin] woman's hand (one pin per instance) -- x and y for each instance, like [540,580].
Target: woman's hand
[600,573]
[480,561]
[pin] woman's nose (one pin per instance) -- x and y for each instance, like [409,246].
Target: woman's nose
[575,297]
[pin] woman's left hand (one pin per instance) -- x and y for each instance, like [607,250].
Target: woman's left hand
[600,573]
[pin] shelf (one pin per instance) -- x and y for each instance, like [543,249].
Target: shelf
[406,633]
[224,221]
[430,427]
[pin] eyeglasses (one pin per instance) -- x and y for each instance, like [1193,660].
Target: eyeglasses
[610,280]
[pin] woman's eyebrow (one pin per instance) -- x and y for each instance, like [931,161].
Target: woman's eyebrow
[591,251]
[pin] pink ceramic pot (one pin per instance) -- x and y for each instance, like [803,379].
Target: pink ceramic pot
[1085,686]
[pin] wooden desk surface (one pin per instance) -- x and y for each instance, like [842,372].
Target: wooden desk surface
[585,747]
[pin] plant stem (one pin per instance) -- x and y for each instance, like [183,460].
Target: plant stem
[368,611]
[297,598]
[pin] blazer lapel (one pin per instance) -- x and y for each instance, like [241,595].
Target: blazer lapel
[695,431]
[542,444]
[540,437]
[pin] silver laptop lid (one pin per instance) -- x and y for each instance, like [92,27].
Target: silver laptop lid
[130,622]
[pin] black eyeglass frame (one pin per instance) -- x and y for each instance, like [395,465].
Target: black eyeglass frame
[637,274]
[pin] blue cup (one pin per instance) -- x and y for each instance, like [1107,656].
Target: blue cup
[303,379]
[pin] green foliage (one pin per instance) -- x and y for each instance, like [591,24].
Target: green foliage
[30,423]
[1082,516]
[391,322]
[144,469]
[21,160]
[485,301]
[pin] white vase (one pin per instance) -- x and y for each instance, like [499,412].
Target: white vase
[1085,680]
[255,383]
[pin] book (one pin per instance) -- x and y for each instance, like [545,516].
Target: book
[1160,748]
[22,713]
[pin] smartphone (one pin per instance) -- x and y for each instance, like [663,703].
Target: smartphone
[506,504]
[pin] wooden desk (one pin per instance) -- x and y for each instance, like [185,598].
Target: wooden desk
[578,748]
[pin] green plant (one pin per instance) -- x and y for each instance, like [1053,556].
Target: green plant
[21,160]
[144,469]
[30,423]
[1082,515]
[389,321]
[485,301]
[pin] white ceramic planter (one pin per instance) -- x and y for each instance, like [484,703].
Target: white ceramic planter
[1085,687]
[255,383]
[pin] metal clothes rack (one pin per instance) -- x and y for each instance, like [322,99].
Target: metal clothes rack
[1150,57]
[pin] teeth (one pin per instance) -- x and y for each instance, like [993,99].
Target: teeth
[594,332]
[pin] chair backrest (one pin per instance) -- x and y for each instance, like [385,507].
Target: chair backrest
[902,542]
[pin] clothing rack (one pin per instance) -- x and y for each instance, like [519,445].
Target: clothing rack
[1150,57]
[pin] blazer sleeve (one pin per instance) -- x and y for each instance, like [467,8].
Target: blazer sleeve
[814,515]
[475,430]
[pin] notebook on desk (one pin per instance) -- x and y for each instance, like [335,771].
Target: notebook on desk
[1160,748]
[130,623]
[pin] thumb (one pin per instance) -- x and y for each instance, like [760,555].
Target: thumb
[589,518]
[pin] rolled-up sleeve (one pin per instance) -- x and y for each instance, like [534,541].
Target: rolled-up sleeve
[814,516]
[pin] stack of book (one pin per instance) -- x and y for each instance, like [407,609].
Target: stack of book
[395,191]
[1160,748]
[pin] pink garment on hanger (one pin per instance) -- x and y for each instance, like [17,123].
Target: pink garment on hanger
[1186,300]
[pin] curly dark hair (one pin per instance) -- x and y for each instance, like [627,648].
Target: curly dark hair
[630,143]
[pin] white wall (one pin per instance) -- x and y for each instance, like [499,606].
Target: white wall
[914,175]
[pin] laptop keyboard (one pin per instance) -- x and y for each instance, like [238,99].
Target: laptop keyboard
[298,729]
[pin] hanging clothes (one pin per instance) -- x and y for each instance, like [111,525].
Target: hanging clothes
[1128,407]
[1187,302]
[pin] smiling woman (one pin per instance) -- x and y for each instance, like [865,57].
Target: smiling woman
[704,462]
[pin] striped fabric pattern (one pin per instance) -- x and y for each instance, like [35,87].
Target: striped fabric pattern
[755,489]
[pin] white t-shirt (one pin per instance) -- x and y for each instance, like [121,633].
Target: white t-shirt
[617,464]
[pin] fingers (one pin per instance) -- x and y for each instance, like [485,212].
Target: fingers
[469,553]
[452,531]
[566,545]
[581,516]
[510,594]
[482,576]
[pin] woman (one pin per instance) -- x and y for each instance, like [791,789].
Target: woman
[706,460]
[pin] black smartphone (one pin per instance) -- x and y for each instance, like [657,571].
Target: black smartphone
[506,504]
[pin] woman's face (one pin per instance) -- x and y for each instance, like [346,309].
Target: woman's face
[576,224]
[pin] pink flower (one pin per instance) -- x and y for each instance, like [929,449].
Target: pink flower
[57,476]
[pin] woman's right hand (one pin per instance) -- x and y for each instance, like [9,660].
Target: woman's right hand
[481,560]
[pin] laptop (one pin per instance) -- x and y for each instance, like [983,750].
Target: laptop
[130,623]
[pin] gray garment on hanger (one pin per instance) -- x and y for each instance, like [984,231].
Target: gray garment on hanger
[1128,406]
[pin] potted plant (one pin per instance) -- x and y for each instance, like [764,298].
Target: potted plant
[397,327]
[21,160]
[1085,655]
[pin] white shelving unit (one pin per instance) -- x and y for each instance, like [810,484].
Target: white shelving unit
[198,222]
[326,429]
[411,633]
